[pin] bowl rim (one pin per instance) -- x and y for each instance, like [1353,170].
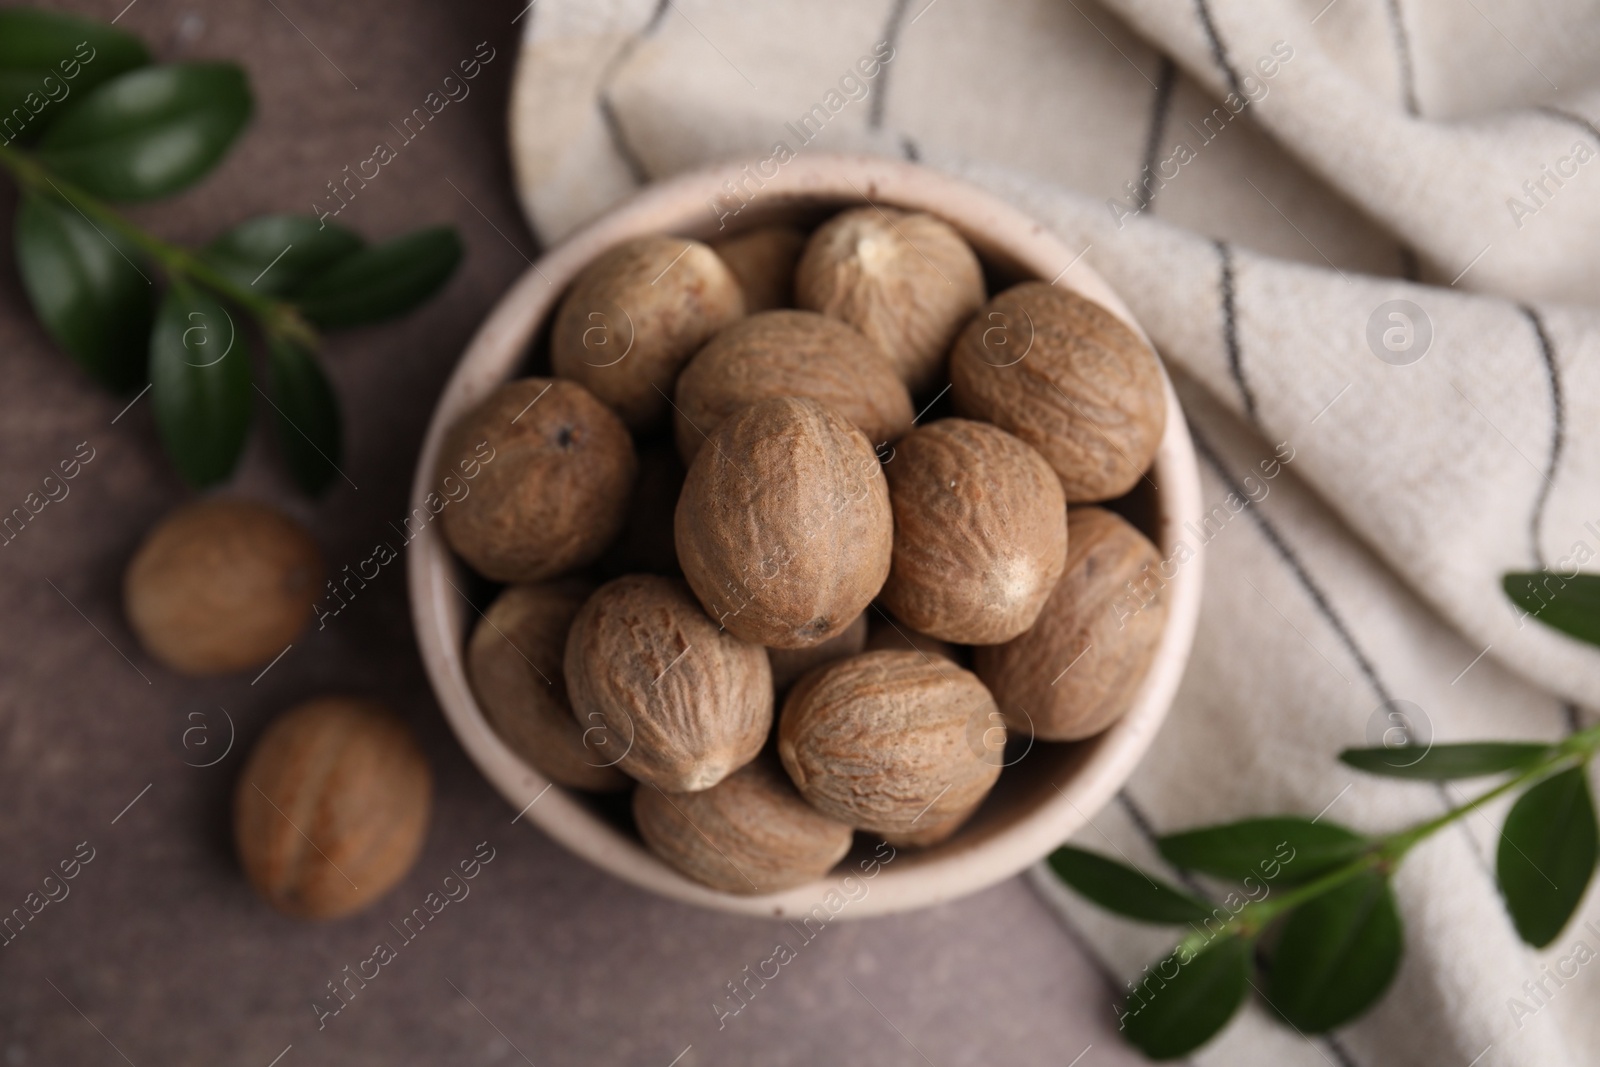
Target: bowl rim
[497,353]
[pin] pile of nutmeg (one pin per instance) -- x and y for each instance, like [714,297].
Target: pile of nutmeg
[747,580]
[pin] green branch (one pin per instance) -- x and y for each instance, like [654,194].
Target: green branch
[277,318]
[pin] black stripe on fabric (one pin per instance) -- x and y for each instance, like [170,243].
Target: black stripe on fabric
[1318,598]
[909,149]
[1558,433]
[1574,722]
[1292,561]
[891,34]
[1230,331]
[1147,830]
[1402,48]
[1340,1053]
[1160,104]
[656,17]
[1218,51]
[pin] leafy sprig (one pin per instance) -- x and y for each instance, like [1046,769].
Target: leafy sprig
[86,120]
[1314,928]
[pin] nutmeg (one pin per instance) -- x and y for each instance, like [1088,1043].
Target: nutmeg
[221,585]
[749,833]
[514,662]
[905,279]
[891,741]
[789,353]
[784,529]
[980,532]
[790,663]
[534,481]
[635,315]
[1078,669]
[763,260]
[686,701]
[331,807]
[1069,378]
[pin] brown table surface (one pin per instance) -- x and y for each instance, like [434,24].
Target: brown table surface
[161,954]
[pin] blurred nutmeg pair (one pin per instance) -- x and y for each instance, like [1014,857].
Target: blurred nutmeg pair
[859,602]
[331,806]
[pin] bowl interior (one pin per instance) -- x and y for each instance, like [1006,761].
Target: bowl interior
[1048,789]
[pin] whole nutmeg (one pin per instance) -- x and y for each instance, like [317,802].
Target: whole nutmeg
[789,353]
[905,279]
[687,702]
[790,663]
[514,661]
[892,635]
[980,532]
[763,260]
[784,529]
[891,742]
[331,808]
[635,315]
[221,585]
[1077,671]
[1068,377]
[535,481]
[749,833]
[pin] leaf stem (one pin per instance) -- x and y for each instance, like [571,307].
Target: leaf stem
[276,317]
[1387,852]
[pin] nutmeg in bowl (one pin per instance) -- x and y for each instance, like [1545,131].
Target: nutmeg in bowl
[1046,790]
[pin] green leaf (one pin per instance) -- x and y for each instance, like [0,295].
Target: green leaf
[274,253]
[1337,954]
[150,132]
[308,415]
[1445,762]
[1181,1005]
[87,288]
[1289,848]
[200,370]
[381,281]
[1125,890]
[1547,855]
[1571,605]
[48,58]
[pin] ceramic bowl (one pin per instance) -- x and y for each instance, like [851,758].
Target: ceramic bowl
[1041,799]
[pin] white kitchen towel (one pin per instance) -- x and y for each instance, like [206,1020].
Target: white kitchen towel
[1366,232]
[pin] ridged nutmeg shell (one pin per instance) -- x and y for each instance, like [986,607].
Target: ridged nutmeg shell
[749,833]
[534,481]
[784,529]
[980,532]
[789,353]
[1105,630]
[331,807]
[514,662]
[763,260]
[1069,378]
[906,279]
[688,702]
[891,741]
[635,315]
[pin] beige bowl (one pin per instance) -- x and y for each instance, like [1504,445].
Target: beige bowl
[1045,796]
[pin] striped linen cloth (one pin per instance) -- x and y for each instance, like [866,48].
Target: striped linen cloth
[1362,233]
